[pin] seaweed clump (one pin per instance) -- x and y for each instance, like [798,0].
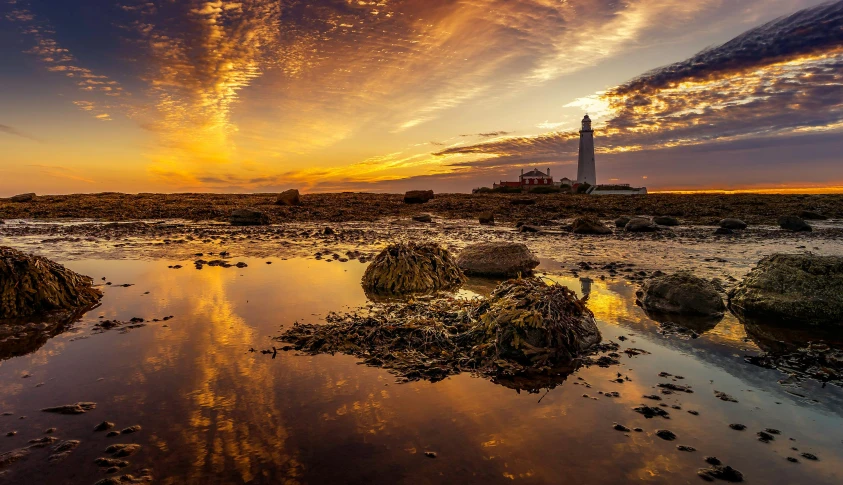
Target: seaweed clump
[31,285]
[524,328]
[412,268]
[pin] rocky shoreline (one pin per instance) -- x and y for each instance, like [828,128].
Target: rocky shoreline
[690,209]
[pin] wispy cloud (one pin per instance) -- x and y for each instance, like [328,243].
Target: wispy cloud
[15,132]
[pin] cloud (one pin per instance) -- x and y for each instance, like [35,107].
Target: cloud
[12,131]
[784,78]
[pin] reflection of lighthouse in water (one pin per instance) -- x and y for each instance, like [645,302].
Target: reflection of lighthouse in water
[586,287]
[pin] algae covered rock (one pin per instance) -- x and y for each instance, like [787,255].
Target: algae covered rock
[640,224]
[730,223]
[792,288]
[497,259]
[680,293]
[794,223]
[530,321]
[412,268]
[31,285]
[418,196]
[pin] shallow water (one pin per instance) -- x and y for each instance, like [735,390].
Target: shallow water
[211,411]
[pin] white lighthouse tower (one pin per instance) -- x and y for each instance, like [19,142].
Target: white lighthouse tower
[586,170]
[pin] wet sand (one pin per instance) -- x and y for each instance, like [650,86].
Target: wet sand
[212,411]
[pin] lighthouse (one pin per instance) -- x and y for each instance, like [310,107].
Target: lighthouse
[586,171]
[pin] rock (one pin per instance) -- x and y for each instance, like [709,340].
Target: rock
[765,437]
[719,472]
[666,221]
[794,223]
[523,201]
[532,322]
[529,228]
[737,426]
[812,216]
[29,197]
[105,425]
[418,196]
[589,225]
[497,259]
[111,462]
[328,232]
[622,221]
[430,454]
[31,285]
[640,224]
[487,218]
[723,231]
[423,218]
[78,408]
[289,198]
[681,293]
[63,449]
[248,217]
[131,429]
[620,427]
[122,450]
[801,289]
[734,224]
[410,268]
[650,412]
[666,434]
[685,448]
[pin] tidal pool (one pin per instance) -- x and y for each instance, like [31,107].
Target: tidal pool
[212,411]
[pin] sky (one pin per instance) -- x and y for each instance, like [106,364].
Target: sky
[393,95]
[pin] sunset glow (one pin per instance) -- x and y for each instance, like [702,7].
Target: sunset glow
[387,95]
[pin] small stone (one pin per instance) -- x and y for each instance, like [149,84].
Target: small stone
[737,426]
[666,434]
[430,454]
[685,448]
[104,426]
[620,427]
[809,456]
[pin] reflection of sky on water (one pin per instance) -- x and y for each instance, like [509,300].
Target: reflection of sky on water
[212,412]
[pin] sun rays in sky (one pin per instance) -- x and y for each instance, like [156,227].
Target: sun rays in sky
[260,95]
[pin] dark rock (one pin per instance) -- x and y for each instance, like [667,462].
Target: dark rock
[122,450]
[31,285]
[765,437]
[529,228]
[63,449]
[737,426]
[651,412]
[418,196]
[487,218]
[589,225]
[723,231]
[328,231]
[719,472]
[713,460]
[666,221]
[666,434]
[809,456]
[497,259]
[423,218]
[289,198]
[681,293]
[640,224]
[793,223]
[795,289]
[685,448]
[523,201]
[248,217]
[812,216]
[620,427]
[622,221]
[105,425]
[724,397]
[430,454]
[29,197]
[78,408]
[131,429]
[734,224]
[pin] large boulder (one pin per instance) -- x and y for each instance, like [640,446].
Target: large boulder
[680,293]
[792,289]
[793,223]
[532,322]
[289,197]
[622,221]
[23,197]
[640,224]
[248,217]
[32,285]
[412,268]
[589,225]
[497,259]
[418,196]
[732,224]
[666,221]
